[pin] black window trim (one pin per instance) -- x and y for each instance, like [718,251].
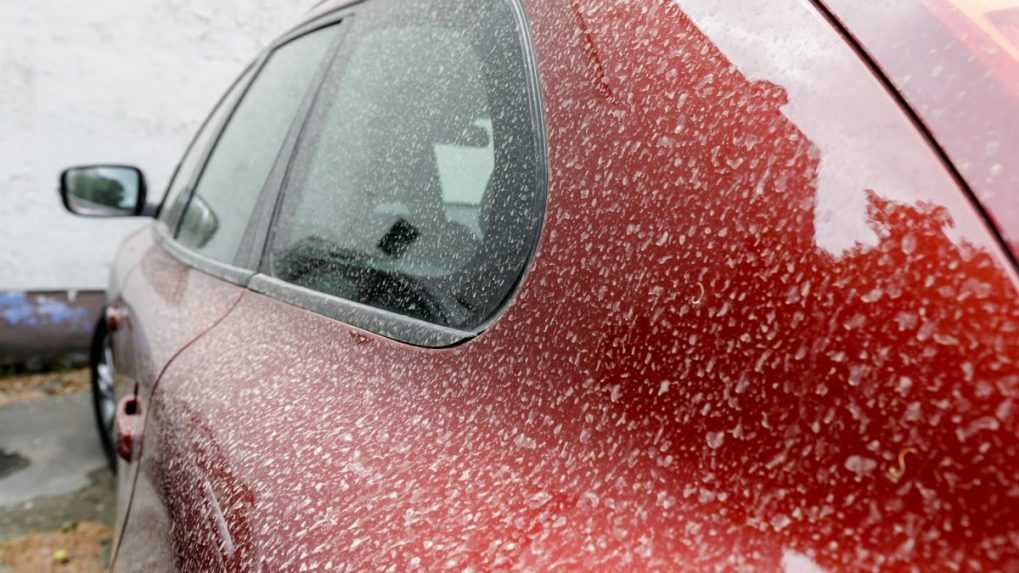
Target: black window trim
[397,326]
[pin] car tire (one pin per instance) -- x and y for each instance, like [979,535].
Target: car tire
[104,398]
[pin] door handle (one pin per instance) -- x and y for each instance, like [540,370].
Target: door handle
[116,317]
[129,429]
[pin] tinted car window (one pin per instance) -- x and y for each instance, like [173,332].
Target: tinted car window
[232,181]
[419,190]
[176,199]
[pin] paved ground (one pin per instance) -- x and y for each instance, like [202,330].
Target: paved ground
[56,495]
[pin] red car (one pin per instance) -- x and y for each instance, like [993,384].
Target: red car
[479,285]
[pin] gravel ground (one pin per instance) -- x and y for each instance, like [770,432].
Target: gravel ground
[76,548]
[66,533]
[21,387]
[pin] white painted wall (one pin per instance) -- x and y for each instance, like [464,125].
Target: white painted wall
[126,81]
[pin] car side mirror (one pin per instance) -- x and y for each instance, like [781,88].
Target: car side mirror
[199,224]
[103,190]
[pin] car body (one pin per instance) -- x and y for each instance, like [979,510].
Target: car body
[749,304]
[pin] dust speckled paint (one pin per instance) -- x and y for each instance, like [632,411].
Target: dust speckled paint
[763,329]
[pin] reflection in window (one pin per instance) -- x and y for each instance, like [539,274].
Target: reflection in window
[422,147]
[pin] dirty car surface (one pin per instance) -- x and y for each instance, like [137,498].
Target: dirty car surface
[572,284]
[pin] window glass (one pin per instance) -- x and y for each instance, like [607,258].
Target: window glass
[175,200]
[418,193]
[232,181]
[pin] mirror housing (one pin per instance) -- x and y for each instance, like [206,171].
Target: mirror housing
[199,223]
[103,190]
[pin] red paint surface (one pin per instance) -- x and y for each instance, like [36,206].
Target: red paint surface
[717,360]
[962,80]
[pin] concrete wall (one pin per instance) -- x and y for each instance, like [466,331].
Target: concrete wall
[125,81]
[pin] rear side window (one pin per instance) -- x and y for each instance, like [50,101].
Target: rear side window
[225,196]
[176,199]
[420,189]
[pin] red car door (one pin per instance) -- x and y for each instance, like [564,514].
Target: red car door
[165,305]
[158,304]
[599,285]
[196,259]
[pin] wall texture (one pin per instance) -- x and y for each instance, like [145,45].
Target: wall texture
[124,81]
